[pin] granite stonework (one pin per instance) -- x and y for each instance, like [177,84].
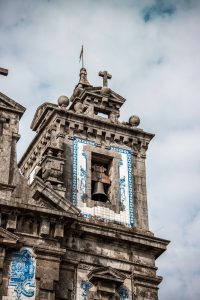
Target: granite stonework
[74,219]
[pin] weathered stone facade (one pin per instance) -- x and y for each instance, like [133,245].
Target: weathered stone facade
[74,219]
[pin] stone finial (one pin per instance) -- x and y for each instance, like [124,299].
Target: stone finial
[134,121]
[83,77]
[83,82]
[63,101]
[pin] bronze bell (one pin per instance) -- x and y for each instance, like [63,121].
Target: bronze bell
[99,194]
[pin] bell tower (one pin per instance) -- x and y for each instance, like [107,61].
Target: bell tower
[95,162]
[108,157]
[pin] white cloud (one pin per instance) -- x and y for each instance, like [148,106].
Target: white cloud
[155,65]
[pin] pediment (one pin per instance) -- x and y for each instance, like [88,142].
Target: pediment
[94,101]
[113,96]
[41,201]
[7,238]
[106,273]
[41,114]
[117,97]
[9,104]
[45,196]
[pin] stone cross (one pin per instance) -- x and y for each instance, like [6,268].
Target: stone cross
[105,76]
[3,71]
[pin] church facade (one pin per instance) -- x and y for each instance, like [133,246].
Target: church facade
[74,216]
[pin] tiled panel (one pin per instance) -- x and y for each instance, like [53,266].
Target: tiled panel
[79,170]
[126,215]
[22,276]
[84,286]
[125,182]
[123,293]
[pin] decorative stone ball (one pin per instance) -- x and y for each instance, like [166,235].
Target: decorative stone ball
[63,101]
[105,90]
[134,121]
[77,91]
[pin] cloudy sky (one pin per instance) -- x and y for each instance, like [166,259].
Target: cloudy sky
[152,49]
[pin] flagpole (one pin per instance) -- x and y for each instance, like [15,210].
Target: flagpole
[81,57]
[82,60]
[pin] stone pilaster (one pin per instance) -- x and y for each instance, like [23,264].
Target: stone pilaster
[140,192]
[47,272]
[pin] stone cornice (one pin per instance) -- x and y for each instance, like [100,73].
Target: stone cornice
[126,131]
[147,280]
[78,256]
[53,251]
[156,245]
[102,122]
[40,113]
[17,204]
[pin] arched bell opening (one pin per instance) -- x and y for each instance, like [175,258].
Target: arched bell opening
[101,182]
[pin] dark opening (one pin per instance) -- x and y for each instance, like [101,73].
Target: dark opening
[100,179]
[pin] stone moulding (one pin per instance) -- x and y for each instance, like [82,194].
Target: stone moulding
[8,238]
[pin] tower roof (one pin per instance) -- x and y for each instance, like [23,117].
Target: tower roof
[93,101]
